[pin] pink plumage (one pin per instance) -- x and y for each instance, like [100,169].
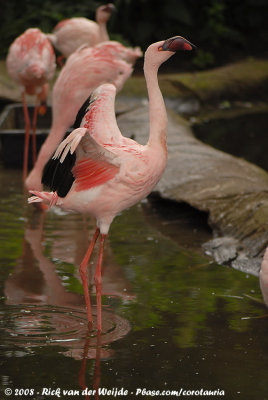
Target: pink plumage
[84,70]
[31,61]
[264,277]
[31,64]
[69,34]
[110,172]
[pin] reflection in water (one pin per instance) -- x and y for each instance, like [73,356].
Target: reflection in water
[193,224]
[34,279]
[188,317]
[47,313]
[97,372]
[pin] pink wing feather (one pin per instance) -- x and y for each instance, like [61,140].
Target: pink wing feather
[95,165]
[90,173]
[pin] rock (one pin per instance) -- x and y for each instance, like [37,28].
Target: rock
[224,249]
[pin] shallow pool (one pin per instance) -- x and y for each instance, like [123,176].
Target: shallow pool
[173,319]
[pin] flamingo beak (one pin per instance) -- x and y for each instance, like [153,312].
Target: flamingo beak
[110,8]
[176,43]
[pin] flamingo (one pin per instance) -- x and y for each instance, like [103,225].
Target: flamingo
[69,34]
[31,63]
[264,277]
[98,171]
[117,49]
[84,70]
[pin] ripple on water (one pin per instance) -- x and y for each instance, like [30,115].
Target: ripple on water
[42,325]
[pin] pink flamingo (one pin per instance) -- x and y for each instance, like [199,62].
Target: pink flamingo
[264,277]
[117,49]
[84,70]
[69,34]
[96,170]
[31,63]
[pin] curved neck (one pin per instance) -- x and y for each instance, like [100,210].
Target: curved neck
[103,31]
[157,109]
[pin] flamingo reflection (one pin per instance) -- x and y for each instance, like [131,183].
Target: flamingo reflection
[97,371]
[42,309]
[35,280]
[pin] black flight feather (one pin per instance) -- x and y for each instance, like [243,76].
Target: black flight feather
[82,112]
[57,176]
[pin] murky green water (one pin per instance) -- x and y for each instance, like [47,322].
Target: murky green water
[242,135]
[172,319]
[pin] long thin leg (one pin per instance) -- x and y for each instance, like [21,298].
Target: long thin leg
[97,371]
[27,126]
[98,281]
[83,274]
[34,124]
[82,372]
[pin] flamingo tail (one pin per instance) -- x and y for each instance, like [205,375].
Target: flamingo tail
[49,198]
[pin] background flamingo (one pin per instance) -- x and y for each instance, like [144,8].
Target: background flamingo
[69,34]
[96,170]
[117,49]
[84,70]
[264,277]
[31,63]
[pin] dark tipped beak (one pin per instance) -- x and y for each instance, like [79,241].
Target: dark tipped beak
[177,43]
[110,8]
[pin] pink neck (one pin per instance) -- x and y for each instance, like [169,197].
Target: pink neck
[103,32]
[157,109]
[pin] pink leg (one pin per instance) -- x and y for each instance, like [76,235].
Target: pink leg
[83,274]
[82,372]
[97,372]
[34,129]
[98,281]
[27,136]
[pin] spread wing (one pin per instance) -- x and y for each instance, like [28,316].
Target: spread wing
[79,157]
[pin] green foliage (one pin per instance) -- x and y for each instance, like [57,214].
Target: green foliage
[222,29]
[17,16]
[203,59]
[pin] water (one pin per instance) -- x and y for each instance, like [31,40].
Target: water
[243,135]
[172,318]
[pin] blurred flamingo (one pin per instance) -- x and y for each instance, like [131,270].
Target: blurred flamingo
[69,34]
[31,63]
[84,70]
[96,170]
[117,49]
[264,277]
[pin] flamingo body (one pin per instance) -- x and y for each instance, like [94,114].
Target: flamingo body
[117,49]
[108,165]
[264,277]
[31,63]
[69,34]
[31,60]
[84,70]
[97,170]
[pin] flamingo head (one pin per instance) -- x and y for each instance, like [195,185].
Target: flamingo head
[158,53]
[175,44]
[104,12]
